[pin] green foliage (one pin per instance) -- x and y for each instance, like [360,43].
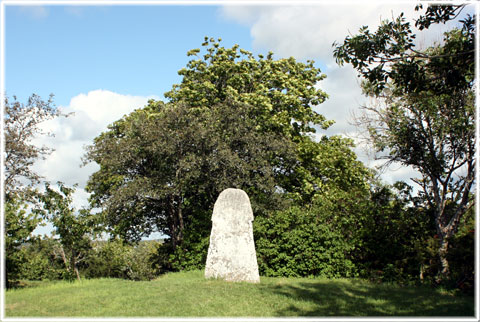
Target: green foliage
[461,256]
[283,92]
[19,224]
[441,13]
[74,229]
[34,266]
[425,116]
[140,265]
[162,167]
[394,236]
[192,255]
[389,55]
[41,260]
[107,259]
[116,259]
[325,169]
[300,242]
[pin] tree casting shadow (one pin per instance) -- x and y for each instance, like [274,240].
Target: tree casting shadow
[355,298]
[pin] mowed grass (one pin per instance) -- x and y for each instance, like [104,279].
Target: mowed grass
[189,294]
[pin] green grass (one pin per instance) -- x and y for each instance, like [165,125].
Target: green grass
[188,294]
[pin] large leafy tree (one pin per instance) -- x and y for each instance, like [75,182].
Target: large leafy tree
[425,116]
[282,92]
[235,120]
[163,166]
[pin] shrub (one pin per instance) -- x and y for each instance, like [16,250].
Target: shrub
[296,242]
[116,259]
[140,264]
[461,257]
[108,259]
[39,260]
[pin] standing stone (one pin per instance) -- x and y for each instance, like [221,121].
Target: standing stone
[231,254]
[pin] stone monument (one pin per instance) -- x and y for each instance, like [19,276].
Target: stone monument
[231,254]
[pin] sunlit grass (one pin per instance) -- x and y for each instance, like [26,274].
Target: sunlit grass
[189,294]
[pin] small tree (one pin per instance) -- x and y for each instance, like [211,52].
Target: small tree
[427,119]
[73,228]
[21,125]
[19,225]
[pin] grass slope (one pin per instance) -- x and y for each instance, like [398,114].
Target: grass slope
[188,294]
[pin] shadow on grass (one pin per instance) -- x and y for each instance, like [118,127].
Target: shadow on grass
[356,298]
[21,284]
[12,285]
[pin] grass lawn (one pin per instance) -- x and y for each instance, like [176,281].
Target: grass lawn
[188,294]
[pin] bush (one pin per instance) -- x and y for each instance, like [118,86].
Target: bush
[39,261]
[107,259]
[119,260]
[461,257]
[140,264]
[395,237]
[190,256]
[296,242]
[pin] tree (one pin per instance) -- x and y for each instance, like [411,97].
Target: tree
[282,92]
[73,228]
[233,121]
[162,167]
[22,125]
[302,242]
[228,108]
[427,117]
[394,235]
[19,224]
[117,259]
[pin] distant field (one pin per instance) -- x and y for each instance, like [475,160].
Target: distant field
[188,294]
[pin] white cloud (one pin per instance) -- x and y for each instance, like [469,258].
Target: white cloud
[74,10]
[104,107]
[93,112]
[34,11]
[309,31]
[345,96]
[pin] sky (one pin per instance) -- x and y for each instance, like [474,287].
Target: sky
[103,61]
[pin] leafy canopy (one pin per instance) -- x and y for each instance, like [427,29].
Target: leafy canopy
[426,108]
[234,121]
[166,163]
[283,92]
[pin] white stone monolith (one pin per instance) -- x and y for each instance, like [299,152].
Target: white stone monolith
[231,254]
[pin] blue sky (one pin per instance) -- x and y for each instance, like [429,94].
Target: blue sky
[135,50]
[102,62]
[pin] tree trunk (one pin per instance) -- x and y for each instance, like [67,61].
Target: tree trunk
[7,285]
[442,255]
[174,226]
[180,220]
[73,263]
[64,258]
[76,272]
